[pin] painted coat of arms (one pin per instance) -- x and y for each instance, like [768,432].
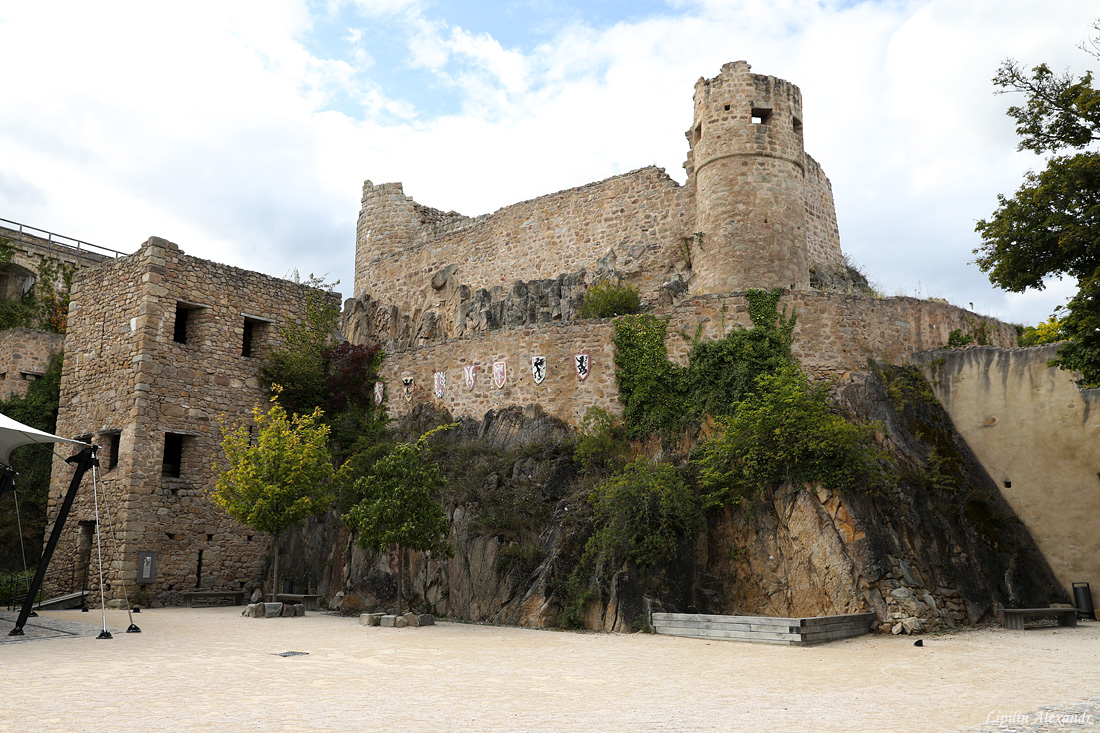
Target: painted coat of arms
[500,373]
[379,391]
[469,376]
[407,388]
[580,361]
[538,368]
[440,382]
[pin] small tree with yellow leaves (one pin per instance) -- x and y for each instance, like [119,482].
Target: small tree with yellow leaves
[277,474]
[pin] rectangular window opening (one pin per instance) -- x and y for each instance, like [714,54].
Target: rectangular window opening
[797,125]
[173,455]
[114,443]
[179,333]
[698,132]
[726,107]
[760,115]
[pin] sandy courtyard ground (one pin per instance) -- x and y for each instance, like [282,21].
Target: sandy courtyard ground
[211,669]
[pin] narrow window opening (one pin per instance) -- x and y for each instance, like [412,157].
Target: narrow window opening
[114,443]
[173,455]
[179,333]
[209,538]
[726,107]
[246,346]
[797,125]
[698,132]
[760,116]
[198,572]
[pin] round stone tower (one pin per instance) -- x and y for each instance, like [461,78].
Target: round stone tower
[748,166]
[387,222]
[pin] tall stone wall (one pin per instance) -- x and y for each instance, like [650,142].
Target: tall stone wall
[640,219]
[1035,433]
[834,335]
[126,374]
[24,355]
[822,232]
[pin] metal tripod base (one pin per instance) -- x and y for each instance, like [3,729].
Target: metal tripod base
[105,635]
[133,629]
[17,631]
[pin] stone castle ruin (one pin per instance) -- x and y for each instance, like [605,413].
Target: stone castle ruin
[443,291]
[161,344]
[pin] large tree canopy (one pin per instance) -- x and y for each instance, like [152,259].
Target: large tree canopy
[1051,226]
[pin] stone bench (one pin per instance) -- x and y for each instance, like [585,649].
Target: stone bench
[189,597]
[1014,617]
[312,603]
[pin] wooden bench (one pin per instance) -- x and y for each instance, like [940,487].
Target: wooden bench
[312,603]
[1014,617]
[237,596]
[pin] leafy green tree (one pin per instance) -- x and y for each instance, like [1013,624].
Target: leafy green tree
[1047,332]
[298,366]
[38,408]
[787,430]
[277,474]
[643,513]
[1051,226]
[398,505]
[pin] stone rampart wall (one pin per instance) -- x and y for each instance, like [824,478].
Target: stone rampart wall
[642,216]
[24,355]
[1035,433]
[835,334]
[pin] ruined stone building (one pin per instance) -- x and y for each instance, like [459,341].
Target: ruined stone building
[445,293]
[475,314]
[25,351]
[160,347]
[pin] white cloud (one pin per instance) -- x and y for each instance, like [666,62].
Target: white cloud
[212,124]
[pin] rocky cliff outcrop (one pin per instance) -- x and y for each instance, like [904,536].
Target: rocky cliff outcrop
[940,549]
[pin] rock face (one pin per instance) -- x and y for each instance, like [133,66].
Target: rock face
[919,558]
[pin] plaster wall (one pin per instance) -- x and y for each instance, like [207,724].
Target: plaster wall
[1038,436]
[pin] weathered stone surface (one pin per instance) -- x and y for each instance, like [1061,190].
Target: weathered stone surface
[271,610]
[370,619]
[254,610]
[400,622]
[411,619]
[425,619]
[389,620]
[299,609]
[257,596]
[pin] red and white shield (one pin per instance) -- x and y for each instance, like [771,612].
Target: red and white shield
[469,376]
[500,373]
[379,391]
[580,361]
[440,380]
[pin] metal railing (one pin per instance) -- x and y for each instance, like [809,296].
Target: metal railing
[41,237]
[59,580]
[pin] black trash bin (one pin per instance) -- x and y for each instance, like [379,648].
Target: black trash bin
[1082,598]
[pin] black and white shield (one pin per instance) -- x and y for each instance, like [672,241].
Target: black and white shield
[580,361]
[538,368]
[407,388]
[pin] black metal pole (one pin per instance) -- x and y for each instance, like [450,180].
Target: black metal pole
[83,460]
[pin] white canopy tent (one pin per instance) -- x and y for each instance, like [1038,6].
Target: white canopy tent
[14,434]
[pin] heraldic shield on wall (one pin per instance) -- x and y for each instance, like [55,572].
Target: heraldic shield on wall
[379,391]
[580,361]
[407,388]
[440,383]
[469,376]
[538,368]
[500,373]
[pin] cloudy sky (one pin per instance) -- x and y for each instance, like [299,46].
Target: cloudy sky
[243,130]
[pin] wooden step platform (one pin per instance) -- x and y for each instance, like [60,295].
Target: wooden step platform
[764,629]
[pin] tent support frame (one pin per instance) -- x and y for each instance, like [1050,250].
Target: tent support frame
[83,460]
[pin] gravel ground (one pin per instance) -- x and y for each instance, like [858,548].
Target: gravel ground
[210,669]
